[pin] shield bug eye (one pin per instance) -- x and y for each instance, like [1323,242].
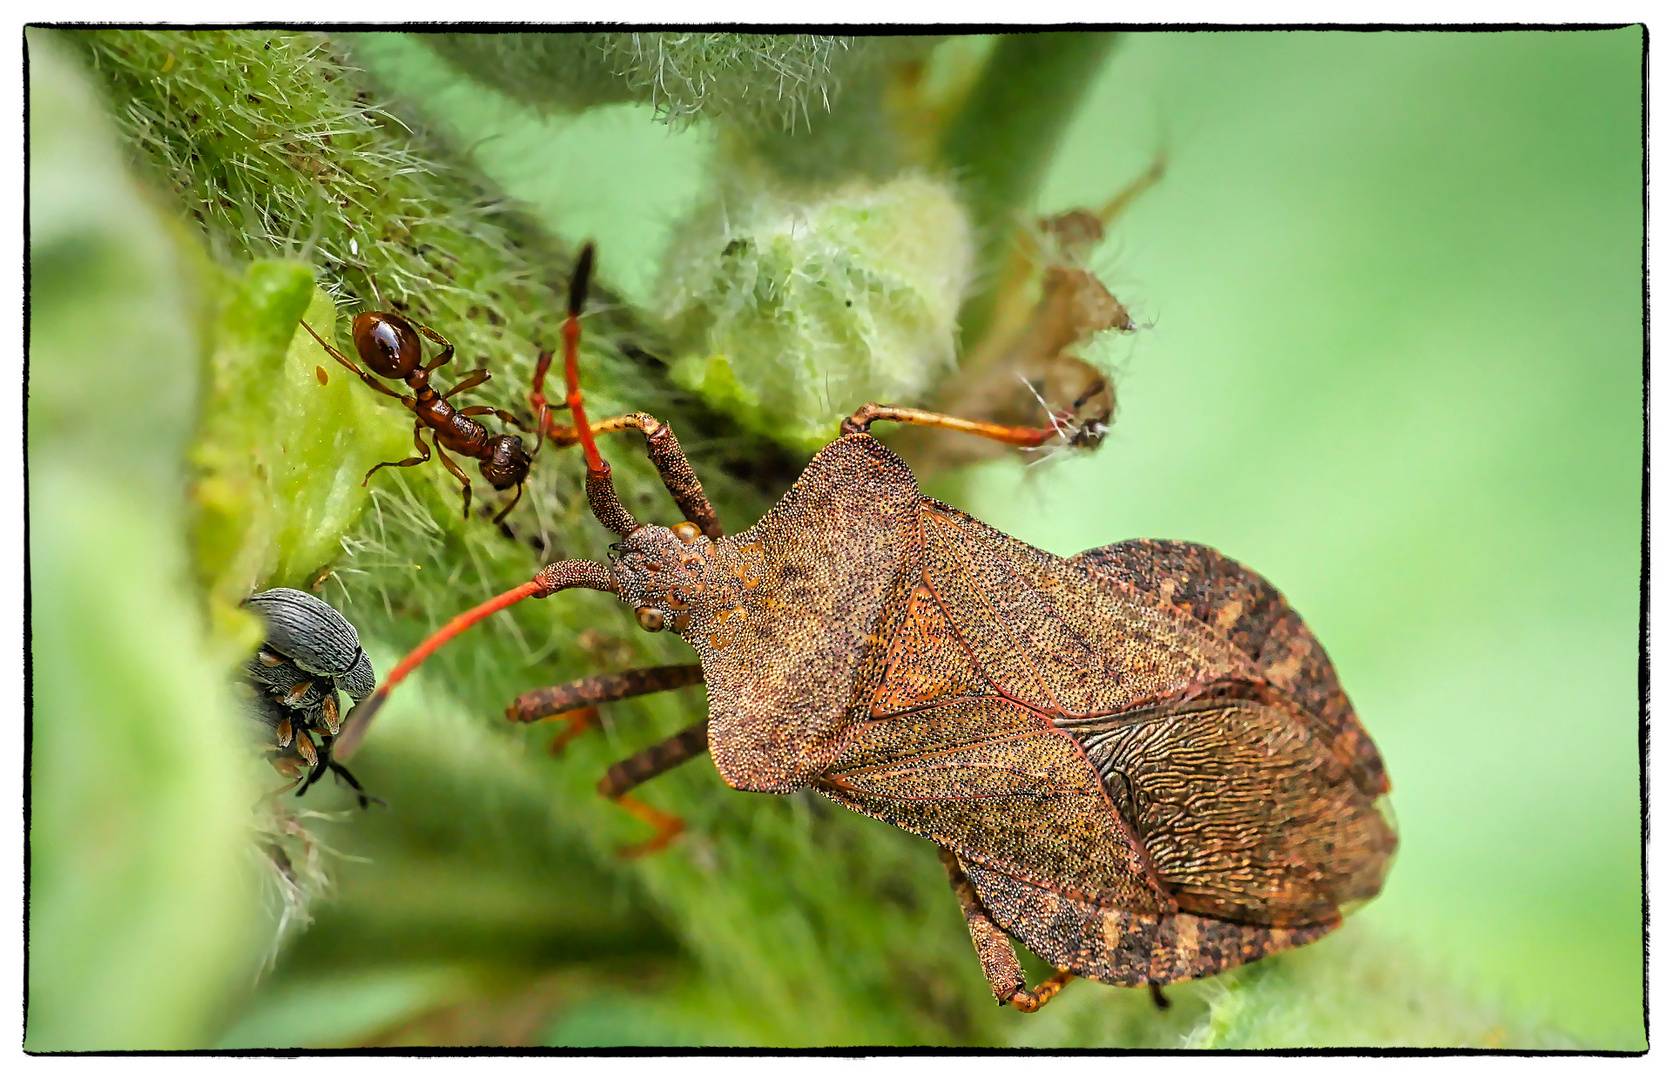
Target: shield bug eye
[687,532]
[651,619]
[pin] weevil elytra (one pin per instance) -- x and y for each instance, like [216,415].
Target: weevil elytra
[311,653]
[1137,761]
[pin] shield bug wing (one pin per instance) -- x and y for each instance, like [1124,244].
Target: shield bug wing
[1098,763]
[1242,809]
[1251,614]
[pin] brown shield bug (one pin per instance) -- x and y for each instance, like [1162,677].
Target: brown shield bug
[1137,761]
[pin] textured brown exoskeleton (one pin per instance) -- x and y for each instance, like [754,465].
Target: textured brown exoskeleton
[1137,761]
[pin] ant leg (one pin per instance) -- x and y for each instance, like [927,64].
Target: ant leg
[452,467]
[469,381]
[993,948]
[442,358]
[350,365]
[862,419]
[423,451]
[645,765]
[510,506]
[489,410]
[600,689]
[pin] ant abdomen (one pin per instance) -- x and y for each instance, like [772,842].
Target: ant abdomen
[387,344]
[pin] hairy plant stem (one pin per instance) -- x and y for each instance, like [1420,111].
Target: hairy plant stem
[1005,136]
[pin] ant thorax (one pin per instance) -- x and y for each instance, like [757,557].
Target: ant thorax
[670,576]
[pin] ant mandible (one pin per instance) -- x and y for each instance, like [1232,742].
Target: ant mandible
[389,345]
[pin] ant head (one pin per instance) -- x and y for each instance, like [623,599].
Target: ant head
[507,465]
[387,344]
[667,575]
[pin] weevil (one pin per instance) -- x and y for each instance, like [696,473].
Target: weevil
[1137,761]
[311,653]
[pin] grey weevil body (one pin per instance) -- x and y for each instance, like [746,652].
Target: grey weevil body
[310,654]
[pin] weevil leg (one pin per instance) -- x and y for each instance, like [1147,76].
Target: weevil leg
[648,764]
[359,792]
[994,950]
[553,701]
[1158,997]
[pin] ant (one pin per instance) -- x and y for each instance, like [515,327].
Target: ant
[389,345]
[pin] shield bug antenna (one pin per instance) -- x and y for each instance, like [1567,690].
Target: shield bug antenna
[1039,719]
[389,345]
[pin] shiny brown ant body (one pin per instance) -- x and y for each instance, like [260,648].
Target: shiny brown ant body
[388,344]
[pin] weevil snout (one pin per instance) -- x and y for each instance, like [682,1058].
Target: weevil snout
[663,574]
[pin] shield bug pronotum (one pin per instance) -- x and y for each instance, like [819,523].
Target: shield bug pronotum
[1137,761]
[311,653]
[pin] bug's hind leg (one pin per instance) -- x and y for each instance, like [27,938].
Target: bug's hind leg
[994,950]
[648,764]
[579,700]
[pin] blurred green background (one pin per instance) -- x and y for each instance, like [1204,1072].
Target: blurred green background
[1395,365]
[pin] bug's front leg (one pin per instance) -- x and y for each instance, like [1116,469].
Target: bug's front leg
[994,950]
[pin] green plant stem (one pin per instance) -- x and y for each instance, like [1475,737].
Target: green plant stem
[1006,134]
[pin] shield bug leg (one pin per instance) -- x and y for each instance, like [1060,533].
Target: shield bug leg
[994,950]
[1159,998]
[646,765]
[862,419]
[601,689]
[665,454]
[579,700]
[575,724]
